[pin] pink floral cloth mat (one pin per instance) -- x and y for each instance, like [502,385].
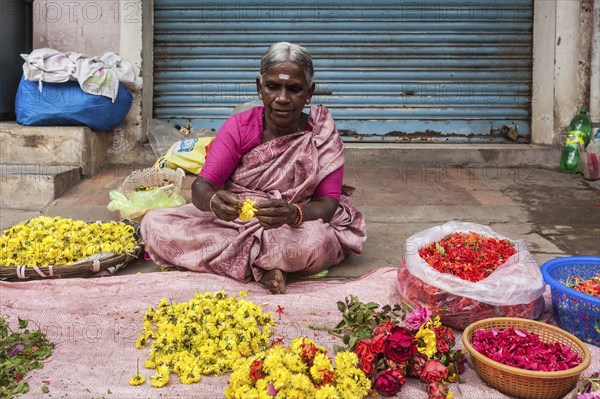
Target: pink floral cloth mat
[95,322]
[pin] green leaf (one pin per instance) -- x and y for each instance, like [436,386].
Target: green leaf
[346,338]
[45,389]
[440,249]
[341,306]
[23,323]
[352,343]
[20,388]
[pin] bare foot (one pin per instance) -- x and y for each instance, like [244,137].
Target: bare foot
[274,280]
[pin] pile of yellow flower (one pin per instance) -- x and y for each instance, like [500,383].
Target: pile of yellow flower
[209,334]
[300,371]
[45,241]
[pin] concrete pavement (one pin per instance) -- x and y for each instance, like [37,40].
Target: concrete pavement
[556,214]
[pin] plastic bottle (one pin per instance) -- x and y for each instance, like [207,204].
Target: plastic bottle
[579,132]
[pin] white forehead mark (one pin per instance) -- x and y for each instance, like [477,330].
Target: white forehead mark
[284,76]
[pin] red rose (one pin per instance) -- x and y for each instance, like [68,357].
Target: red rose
[366,363]
[363,346]
[378,343]
[389,382]
[434,371]
[365,355]
[416,365]
[400,345]
[437,390]
[444,339]
[383,328]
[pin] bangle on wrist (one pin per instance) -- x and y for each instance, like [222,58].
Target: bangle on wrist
[299,218]
[210,202]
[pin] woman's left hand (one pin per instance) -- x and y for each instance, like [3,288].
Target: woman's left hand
[275,213]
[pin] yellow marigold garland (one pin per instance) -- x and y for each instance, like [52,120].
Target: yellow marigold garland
[45,241]
[300,371]
[209,334]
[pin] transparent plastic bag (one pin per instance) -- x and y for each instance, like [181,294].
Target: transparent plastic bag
[161,136]
[514,289]
[454,310]
[140,202]
[589,160]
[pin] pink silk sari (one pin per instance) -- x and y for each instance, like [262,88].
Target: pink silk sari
[288,167]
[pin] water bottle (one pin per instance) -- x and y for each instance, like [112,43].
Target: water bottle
[579,132]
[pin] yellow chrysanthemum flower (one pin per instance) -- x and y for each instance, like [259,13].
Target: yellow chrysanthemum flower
[137,379]
[429,340]
[206,335]
[247,210]
[46,241]
[299,371]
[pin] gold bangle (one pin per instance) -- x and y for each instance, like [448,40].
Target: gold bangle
[210,202]
[300,217]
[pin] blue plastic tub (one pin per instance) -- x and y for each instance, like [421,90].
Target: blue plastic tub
[574,311]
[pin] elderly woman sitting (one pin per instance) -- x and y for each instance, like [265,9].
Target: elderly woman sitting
[289,162]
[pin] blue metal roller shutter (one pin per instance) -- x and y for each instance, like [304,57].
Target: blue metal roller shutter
[388,70]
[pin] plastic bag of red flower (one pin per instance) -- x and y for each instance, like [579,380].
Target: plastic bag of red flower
[513,289]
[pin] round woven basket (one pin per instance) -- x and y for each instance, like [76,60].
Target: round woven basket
[152,177]
[87,268]
[527,383]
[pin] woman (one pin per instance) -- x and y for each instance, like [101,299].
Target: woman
[291,164]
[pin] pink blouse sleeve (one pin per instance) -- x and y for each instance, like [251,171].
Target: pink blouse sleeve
[238,135]
[331,186]
[224,154]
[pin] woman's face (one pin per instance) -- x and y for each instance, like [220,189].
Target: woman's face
[284,92]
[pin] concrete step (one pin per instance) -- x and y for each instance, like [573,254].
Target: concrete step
[411,156]
[33,186]
[75,146]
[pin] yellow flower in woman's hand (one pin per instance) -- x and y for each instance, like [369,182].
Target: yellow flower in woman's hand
[248,209]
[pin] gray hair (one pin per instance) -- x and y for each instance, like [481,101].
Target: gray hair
[284,52]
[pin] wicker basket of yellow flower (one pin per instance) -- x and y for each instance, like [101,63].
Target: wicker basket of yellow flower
[56,247]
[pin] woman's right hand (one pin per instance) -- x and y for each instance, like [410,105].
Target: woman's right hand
[226,205]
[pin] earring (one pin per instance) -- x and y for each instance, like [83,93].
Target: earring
[259,96]
[308,100]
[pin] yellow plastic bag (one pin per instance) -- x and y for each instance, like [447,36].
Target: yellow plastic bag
[189,154]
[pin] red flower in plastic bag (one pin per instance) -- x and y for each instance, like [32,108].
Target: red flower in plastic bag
[400,345]
[389,382]
[434,371]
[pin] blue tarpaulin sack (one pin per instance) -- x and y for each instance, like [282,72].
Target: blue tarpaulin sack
[65,104]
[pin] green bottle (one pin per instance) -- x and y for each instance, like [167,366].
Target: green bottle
[579,132]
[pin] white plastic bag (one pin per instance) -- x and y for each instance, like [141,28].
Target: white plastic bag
[517,281]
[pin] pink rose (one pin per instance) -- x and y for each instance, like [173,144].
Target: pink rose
[437,390]
[389,382]
[434,371]
[415,319]
[400,345]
